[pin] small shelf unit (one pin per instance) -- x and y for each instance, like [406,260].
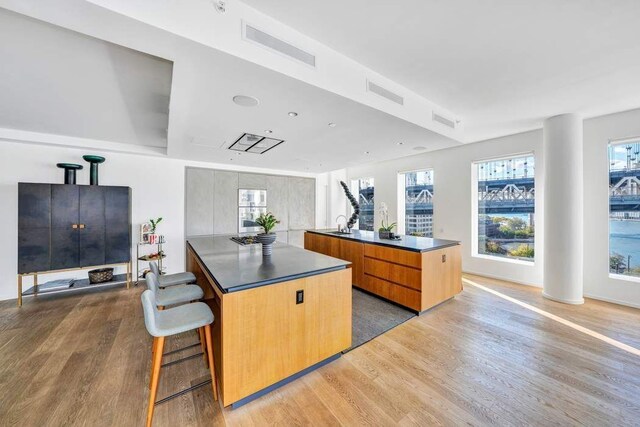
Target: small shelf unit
[140,272]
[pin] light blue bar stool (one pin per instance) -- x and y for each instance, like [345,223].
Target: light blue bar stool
[172,321]
[174,294]
[166,280]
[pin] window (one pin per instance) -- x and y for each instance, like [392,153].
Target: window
[362,189]
[417,200]
[506,207]
[624,208]
[251,204]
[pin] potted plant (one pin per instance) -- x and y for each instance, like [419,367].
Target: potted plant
[267,221]
[153,237]
[385,231]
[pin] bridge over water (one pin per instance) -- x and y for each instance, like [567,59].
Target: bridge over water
[501,196]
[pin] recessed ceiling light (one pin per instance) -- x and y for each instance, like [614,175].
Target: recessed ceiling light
[419,148]
[292,114]
[332,125]
[268,131]
[246,101]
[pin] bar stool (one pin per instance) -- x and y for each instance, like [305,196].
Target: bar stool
[173,321]
[174,294]
[166,280]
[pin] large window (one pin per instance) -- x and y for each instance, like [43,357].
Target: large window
[362,189]
[624,208]
[417,200]
[506,207]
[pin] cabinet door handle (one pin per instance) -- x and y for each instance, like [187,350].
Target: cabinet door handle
[444,258]
[81,225]
[74,226]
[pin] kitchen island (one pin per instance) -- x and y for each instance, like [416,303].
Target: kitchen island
[276,318]
[415,272]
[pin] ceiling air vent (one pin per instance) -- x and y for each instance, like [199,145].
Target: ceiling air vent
[250,143]
[443,120]
[272,43]
[385,93]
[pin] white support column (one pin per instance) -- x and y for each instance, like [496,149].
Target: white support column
[563,209]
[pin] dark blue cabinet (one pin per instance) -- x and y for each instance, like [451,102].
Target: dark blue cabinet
[72,226]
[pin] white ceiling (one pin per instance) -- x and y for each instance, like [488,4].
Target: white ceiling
[64,83]
[502,65]
[203,120]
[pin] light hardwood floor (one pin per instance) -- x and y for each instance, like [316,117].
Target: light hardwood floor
[478,360]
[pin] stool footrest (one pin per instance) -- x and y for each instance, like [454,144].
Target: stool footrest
[181,349]
[173,362]
[180,393]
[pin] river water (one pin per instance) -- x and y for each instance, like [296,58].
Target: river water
[625,239]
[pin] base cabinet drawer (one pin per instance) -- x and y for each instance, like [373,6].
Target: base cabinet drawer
[396,293]
[408,276]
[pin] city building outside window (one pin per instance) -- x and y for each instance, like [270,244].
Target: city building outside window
[415,212]
[506,207]
[624,208]
[362,189]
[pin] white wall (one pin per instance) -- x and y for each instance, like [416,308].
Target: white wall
[452,197]
[453,201]
[157,185]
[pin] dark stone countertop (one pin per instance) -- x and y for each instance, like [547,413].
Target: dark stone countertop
[409,243]
[235,267]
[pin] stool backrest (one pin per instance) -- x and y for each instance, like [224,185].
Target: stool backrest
[152,283]
[154,268]
[150,312]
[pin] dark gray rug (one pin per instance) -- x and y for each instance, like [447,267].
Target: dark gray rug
[373,316]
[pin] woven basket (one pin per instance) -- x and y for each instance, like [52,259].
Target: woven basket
[100,275]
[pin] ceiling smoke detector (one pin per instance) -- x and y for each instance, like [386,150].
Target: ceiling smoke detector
[220,6]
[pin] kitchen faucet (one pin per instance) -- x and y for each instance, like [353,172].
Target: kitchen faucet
[345,221]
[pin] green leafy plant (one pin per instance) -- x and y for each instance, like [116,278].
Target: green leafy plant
[522,251]
[267,221]
[154,224]
[388,227]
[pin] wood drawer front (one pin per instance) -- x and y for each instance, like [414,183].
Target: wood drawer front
[396,293]
[398,256]
[400,274]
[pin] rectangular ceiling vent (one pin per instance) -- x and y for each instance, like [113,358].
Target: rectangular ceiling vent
[255,35]
[250,143]
[443,120]
[385,93]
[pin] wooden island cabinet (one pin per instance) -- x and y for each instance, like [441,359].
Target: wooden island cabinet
[415,272]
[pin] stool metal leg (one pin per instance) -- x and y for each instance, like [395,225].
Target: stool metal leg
[212,367]
[158,344]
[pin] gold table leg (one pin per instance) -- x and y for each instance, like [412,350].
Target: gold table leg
[19,290]
[35,283]
[128,274]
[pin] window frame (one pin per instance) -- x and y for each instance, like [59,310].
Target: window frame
[401,200]
[356,194]
[615,276]
[474,210]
